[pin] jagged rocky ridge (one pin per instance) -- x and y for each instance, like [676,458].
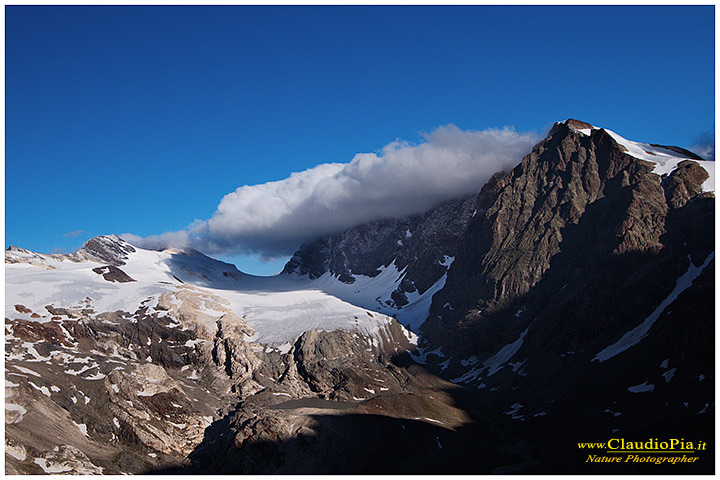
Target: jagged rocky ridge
[570,300]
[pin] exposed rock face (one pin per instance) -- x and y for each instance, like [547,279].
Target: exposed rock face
[575,193]
[113,274]
[581,250]
[684,183]
[107,249]
[419,244]
[510,247]
[585,253]
[123,392]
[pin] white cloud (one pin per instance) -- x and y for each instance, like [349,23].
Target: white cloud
[402,179]
[705,145]
[74,233]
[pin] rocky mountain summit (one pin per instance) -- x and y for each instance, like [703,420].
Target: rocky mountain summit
[570,300]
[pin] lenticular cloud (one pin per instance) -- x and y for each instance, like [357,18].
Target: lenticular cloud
[402,179]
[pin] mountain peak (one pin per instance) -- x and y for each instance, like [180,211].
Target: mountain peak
[577,124]
[109,249]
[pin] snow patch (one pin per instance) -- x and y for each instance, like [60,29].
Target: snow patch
[51,467]
[82,427]
[16,408]
[669,374]
[422,355]
[26,370]
[43,389]
[514,409]
[641,388]
[429,420]
[447,261]
[494,363]
[17,455]
[444,365]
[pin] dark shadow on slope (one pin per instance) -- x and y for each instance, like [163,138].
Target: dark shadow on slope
[354,444]
[491,443]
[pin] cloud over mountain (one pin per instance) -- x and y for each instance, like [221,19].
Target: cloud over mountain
[274,218]
[705,145]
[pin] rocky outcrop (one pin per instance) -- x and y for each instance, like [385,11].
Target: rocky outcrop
[339,408]
[122,392]
[684,183]
[113,274]
[108,249]
[579,251]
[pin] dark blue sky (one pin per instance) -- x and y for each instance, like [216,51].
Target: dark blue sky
[140,119]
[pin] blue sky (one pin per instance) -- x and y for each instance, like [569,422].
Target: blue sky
[139,119]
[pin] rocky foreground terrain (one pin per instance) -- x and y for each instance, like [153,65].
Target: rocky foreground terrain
[570,300]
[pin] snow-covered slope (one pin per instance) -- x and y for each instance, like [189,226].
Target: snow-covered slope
[278,309]
[374,293]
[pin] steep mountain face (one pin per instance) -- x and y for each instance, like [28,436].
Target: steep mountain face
[570,300]
[581,216]
[582,195]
